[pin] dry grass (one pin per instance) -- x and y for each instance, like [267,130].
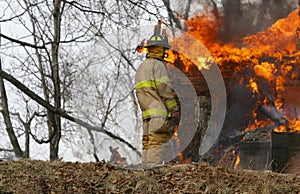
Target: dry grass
[28,176]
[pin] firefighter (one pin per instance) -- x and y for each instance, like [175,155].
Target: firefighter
[156,99]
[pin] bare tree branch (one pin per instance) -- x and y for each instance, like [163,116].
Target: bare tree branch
[171,14]
[21,42]
[6,150]
[82,7]
[117,49]
[187,10]
[145,8]
[61,112]
[21,14]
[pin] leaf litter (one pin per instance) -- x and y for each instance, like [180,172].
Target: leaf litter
[34,176]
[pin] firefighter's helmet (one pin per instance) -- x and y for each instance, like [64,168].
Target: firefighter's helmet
[158,40]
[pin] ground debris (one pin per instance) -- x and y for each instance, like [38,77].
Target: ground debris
[32,176]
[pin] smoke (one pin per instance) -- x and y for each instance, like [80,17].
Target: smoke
[243,18]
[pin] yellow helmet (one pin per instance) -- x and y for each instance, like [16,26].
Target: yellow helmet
[158,40]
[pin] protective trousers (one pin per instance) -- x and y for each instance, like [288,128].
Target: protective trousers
[156,133]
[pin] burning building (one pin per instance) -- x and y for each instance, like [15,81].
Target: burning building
[262,78]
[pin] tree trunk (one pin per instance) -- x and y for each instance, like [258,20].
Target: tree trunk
[55,133]
[27,141]
[5,112]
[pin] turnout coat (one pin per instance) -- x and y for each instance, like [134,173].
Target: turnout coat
[153,89]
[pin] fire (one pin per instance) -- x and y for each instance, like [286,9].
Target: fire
[265,70]
[237,159]
[280,81]
[171,56]
[294,126]
[280,129]
[257,124]
[237,162]
[270,56]
[280,36]
[253,85]
[264,62]
[204,62]
[181,157]
[175,136]
[204,28]
[142,50]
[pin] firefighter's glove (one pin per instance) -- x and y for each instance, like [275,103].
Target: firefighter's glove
[175,118]
[175,114]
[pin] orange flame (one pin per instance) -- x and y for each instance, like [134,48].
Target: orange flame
[294,126]
[253,85]
[237,160]
[265,70]
[280,36]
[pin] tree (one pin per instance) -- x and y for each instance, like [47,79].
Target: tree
[47,61]
[6,116]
